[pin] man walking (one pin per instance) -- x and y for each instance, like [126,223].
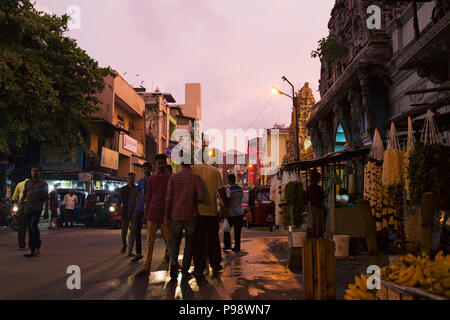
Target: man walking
[35,195]
[127,202]
[235,216]
[156,195]
[19,214]
[54,204]
[208,243]
[184,191]
[70,201]
[141,208]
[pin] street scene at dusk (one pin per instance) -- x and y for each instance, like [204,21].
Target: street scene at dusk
[241,153]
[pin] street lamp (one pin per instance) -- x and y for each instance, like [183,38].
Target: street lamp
[294,102]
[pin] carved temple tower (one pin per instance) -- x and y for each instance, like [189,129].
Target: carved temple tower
[305,101]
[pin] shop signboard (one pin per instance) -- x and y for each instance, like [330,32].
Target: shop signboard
[110,159]
[50,159]
[85,177]
[130,144]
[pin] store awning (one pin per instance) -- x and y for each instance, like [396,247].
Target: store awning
[343,155]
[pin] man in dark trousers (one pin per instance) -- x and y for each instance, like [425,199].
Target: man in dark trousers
[54,205]
[208,242]
[156,196]
[235,216]
[35,195]
[141,209]
[90,205]
[184,191]
[19,214]
[127,202]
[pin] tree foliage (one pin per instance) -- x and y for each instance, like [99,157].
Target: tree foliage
[330,49]
[48,84]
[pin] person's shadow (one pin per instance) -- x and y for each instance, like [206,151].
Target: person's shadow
[207,291]
[170,289]
[186,291]
[139,288]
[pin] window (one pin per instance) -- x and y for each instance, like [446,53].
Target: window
[120,122]
[340,139]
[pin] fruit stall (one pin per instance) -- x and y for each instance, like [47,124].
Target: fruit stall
[409,277]
[407,191]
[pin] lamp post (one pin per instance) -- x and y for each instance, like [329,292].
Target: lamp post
[294,102]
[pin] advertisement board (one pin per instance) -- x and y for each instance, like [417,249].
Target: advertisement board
[130,144]
[110,159]
[50,159]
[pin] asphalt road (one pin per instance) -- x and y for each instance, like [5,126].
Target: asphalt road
[257,272]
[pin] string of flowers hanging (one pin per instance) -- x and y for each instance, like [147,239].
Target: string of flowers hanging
[393,182]
[372,181]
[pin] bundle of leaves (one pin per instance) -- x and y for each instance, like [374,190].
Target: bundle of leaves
[429,171]
[295,201]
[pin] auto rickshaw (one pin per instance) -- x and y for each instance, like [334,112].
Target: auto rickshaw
[262,209]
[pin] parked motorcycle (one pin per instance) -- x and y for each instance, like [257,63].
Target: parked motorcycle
[7,219]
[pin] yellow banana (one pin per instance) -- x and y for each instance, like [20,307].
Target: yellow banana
[406,275]
[395,267]
[360,283]
[440,269]
[347,297]
[415,278]
[447,293]
[445,282]
[422,279]
[409,258]
[354,294]
[438,288]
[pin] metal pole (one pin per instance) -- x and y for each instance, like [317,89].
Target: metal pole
[294,100]
[416,20]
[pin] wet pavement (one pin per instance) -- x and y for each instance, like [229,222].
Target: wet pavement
[257,272]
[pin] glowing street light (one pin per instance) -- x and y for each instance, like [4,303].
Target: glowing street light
[294,101]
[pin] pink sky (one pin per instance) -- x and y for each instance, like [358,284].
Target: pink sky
[236,49]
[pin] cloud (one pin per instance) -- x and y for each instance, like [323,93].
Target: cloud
[236,49]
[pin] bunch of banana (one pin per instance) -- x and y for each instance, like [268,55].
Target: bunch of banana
[437,275]
[359,290]
[413,271]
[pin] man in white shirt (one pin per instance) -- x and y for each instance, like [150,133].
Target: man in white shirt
[70,201]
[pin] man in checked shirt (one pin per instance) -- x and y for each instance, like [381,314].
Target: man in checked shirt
[184,191]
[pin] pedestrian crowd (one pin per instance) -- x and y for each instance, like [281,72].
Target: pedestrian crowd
[181,205]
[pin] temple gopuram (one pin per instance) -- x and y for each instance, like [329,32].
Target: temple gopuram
[305,102]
